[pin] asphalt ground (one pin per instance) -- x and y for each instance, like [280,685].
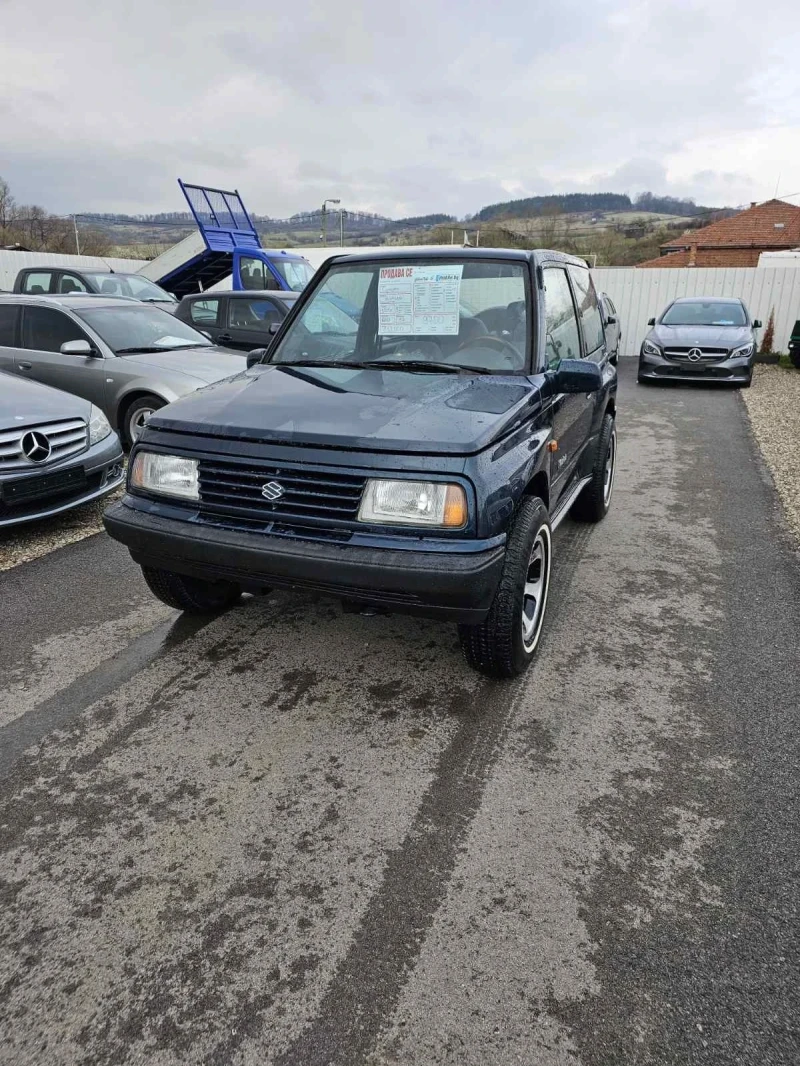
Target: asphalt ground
[306,838]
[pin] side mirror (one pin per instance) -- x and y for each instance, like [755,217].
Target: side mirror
[577,375]
[757,323]
[256,356]
[273,328]
[611,321]
[651,321]
[79,348]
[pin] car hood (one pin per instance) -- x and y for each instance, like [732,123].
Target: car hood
[27,403]
[700,336]
[206,364]
[369,410]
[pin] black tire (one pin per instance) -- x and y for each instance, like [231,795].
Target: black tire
[593,503]
[746,383]
[497,646]
[795,358]
[130,423]
[191,594]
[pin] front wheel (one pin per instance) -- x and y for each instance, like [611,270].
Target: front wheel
[136,417]
[191,594]
[505,643]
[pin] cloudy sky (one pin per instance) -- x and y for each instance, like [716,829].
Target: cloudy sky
[403,107]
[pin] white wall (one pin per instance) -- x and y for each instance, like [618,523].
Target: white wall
[642,294]
[12,262]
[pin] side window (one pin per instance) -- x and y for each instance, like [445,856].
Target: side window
[204,312]
[561,325]
[588,309]
[252,314]
[611,308]
[71,283]
[45,330]
[256,274]
[37,282]
[8,325]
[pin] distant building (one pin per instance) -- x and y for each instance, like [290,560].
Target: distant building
[738,241]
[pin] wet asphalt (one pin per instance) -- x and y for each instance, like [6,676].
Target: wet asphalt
[295,836]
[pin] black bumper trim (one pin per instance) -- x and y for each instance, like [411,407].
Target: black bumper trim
[451,585]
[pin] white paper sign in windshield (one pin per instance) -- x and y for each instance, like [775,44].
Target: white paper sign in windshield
[418,300]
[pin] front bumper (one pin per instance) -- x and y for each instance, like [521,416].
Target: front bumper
[458,586]
[659,368]
[79,479]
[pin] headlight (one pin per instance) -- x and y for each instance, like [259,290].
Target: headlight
[99,426]
[168,475]
[414,503]
[651,349]
[744,352]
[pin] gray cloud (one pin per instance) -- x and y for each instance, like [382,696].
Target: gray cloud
[400,108]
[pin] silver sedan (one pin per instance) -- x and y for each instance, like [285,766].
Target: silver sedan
[126,357]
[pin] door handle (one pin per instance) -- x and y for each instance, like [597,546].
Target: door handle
[25,366]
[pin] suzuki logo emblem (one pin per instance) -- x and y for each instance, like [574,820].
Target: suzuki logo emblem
[272,491]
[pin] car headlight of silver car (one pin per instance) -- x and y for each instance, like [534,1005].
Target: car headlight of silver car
[743,352]
[648,348]
[414,503]
[99,426]
[167,475]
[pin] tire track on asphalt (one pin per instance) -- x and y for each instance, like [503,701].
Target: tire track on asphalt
[362,996]
[58,710]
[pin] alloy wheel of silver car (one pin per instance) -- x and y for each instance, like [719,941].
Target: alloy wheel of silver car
[610,468]
[537,584]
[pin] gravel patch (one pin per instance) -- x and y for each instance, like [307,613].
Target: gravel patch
[773,404]
[21,544]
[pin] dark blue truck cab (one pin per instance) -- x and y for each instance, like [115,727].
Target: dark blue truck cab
[415,457]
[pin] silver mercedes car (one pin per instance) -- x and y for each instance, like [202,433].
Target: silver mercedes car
[126,357]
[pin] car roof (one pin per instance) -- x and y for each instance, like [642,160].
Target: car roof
[72,301]
[452,251]
[707,299]
[239,294]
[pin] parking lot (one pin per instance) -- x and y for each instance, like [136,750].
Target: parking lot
[296,836]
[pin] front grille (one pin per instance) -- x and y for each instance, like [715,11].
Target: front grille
[231,494]
[707,355]
[66,438]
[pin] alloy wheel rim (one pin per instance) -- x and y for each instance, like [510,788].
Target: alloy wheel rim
[139,421]
[534,594]
[608,472]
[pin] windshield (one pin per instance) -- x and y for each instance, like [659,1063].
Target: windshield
[705,313]
[137,328]
[128,285]
[295,272]
[447,314]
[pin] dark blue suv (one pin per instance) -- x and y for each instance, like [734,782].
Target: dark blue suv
[415,457]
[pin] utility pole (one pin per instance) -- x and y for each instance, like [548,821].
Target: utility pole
[342,213]
[77,238]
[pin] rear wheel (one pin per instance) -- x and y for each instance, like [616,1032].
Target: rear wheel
[191,594]
[505,643]
[136,416]
[593,503]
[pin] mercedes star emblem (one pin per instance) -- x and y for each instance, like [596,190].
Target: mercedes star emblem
[695,355]
[35,446]
[272,490]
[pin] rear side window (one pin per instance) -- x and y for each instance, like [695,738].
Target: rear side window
[588,309]
[256,314]
[8,325]
[561,325]
[204,312]
[37,282]
[45,330]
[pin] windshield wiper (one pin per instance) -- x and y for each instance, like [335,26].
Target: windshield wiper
[162,348]
[425,365]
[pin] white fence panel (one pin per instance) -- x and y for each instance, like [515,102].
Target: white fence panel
[642,294]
